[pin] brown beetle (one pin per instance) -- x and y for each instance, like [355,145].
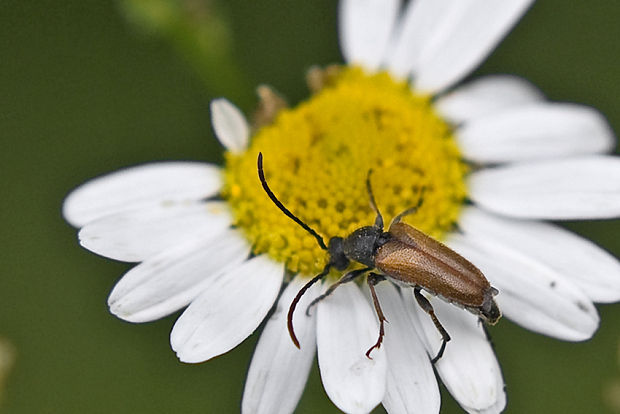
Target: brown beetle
[405,256]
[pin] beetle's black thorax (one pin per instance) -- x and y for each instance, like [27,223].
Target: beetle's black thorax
[362,244]
[336,253]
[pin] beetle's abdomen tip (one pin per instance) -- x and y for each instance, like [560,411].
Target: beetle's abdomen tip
[490,312]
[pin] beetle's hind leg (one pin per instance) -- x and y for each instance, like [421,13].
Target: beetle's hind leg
[344,279]
[372,280]
[428,308]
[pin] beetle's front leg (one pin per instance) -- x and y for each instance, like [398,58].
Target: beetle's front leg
[344,279]
[428,308]
[372,280]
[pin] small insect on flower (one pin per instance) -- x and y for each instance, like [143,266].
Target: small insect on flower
[405,256]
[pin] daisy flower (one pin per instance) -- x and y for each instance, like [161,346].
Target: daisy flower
[495,159]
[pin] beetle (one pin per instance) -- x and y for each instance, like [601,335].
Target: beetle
[403,255]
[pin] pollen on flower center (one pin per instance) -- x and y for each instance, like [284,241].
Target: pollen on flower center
[316,159]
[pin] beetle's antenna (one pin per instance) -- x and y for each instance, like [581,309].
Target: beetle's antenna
[286,211]
[291,309]
[410,210]
[379,218]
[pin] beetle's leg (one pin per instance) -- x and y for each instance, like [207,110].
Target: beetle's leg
[291,309]
[428,308]
[410,210]
[344,279]
[373,204]
[372,280]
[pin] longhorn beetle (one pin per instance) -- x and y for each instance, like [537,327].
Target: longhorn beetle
[403,255]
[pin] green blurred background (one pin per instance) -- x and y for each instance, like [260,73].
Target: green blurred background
[84,92]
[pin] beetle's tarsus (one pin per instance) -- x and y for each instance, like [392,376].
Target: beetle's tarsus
[372,280]
[428,308]
[440,353]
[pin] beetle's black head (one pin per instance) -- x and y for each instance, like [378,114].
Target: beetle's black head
[337,258]
[489,310]
[362,244]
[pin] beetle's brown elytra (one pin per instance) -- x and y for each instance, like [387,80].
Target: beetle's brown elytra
[403,255]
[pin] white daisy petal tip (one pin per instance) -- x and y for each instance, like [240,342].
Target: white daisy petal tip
[574,188]
[137,235]
[141,186]
[535,131]
[228,310]
[169,281]
[230,125]
[118,310]
[192,355]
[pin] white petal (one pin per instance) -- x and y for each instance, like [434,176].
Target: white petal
[422,24]
[171,280]
[535,131]
[134,236]
[576,188]
[142,186]
[365,28]
[530,293]
[485,96]
[468,367]
[279,371]
[411,383]
[462,39]
[591,268]
[230,126]
[228,311]
[346,329]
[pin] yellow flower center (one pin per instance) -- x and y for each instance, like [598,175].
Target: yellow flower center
[317,157]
